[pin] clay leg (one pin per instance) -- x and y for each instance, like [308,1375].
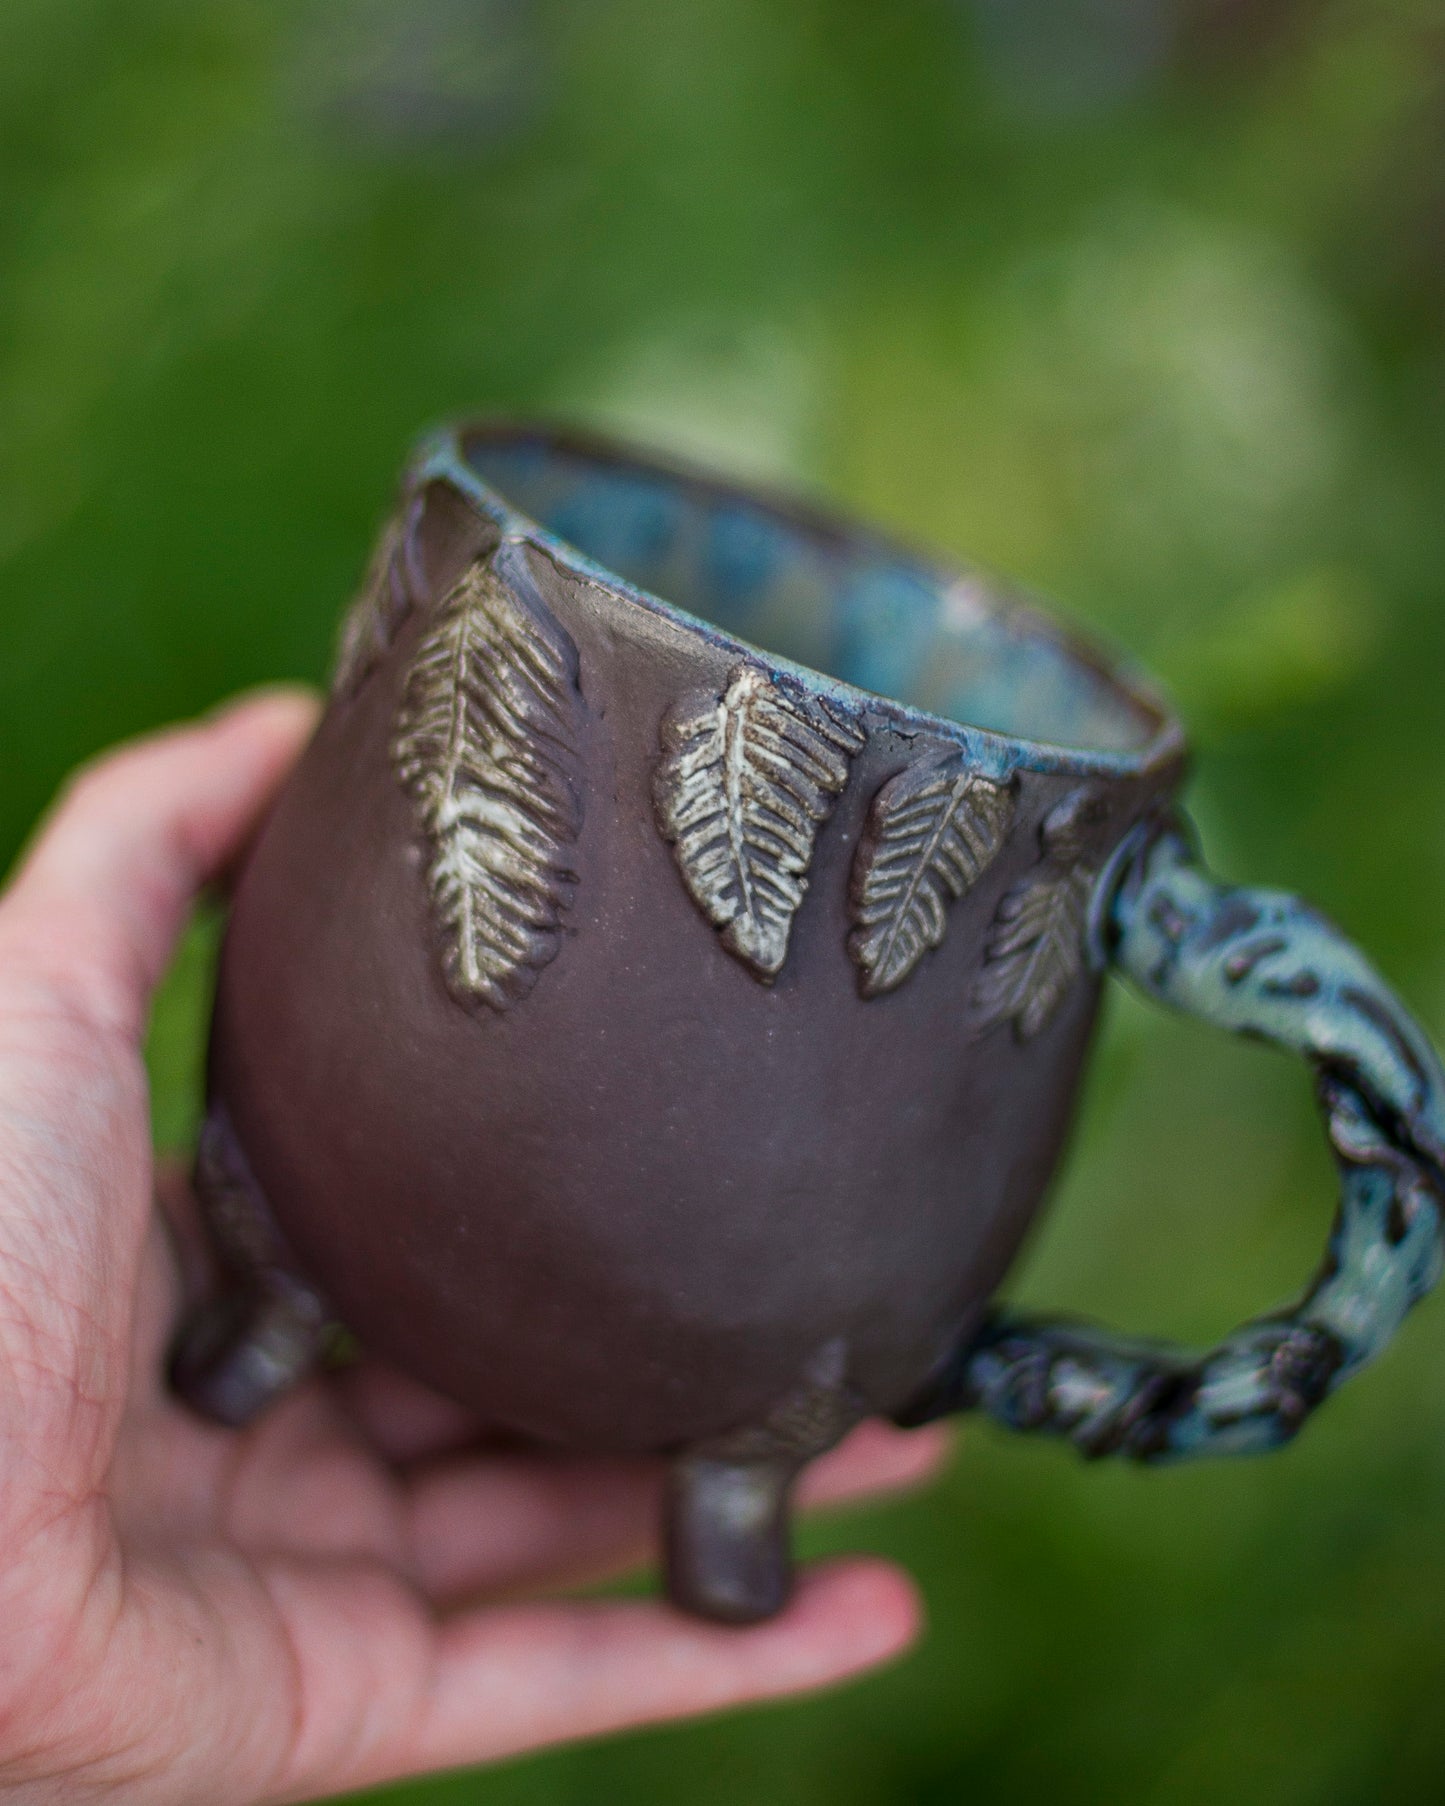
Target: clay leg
[264,1329]
[726,1531]
[727,1537]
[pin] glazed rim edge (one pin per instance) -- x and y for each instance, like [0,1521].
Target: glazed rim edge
[442,455]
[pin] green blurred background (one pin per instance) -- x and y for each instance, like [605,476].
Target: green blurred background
[1142,301]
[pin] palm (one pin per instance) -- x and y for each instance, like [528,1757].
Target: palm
[311,1604]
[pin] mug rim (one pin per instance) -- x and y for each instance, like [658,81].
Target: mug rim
[443,454]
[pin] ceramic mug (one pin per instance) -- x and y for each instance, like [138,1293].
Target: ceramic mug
[658,1043]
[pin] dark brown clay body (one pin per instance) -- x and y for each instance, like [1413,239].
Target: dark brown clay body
[658,1202]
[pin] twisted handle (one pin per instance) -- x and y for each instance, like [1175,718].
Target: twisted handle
[1259,963]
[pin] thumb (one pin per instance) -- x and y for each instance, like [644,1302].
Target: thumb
[86,929]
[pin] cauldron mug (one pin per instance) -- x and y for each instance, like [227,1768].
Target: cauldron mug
[661,1044]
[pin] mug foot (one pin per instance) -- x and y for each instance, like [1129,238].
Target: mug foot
[266,1326]
[727,1541]
[727,1538]
[240,1351]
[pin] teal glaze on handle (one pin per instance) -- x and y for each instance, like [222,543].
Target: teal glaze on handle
[1264,964]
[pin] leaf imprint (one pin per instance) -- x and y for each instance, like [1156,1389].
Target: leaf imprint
[486,747]
[391,586]
[931,832]
[1036,946]
[744,783]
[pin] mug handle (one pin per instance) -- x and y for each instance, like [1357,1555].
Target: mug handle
[1260,963]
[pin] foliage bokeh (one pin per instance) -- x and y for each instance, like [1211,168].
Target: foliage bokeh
[1141,301]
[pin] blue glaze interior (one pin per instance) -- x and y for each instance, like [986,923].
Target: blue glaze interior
[840,604]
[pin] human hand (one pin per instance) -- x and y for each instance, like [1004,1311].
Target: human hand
[333,1597]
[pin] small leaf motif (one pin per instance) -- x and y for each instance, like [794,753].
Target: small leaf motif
[1036,946]
[744,783]
[486,747]
[386,596]
[1035,950]
[931,832]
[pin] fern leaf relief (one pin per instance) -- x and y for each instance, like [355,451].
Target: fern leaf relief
[391,586]
[486,747]
[744,783]
[1035,950]
[931,832]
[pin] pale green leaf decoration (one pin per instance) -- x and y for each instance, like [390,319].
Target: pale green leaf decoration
[385,599]
[931,832]
[745,781]
[1036,945]
[486,747]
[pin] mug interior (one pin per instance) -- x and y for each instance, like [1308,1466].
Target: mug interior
[817,593]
